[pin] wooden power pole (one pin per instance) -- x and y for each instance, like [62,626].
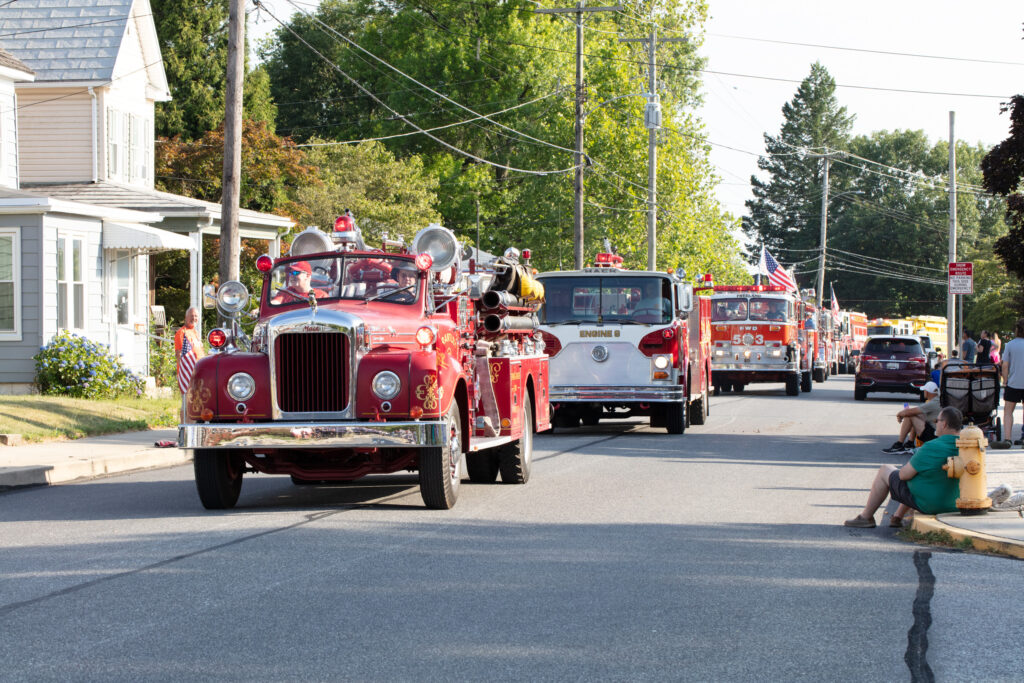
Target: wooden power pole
[578,10]
[231,182]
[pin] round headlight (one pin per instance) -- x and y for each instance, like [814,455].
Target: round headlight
[440,243]
[241,386]
[232,296]
[386,385]
[661,362]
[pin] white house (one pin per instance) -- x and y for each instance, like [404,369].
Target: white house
[78,210]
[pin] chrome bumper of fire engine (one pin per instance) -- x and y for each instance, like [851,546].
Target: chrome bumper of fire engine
[749,366]
[305,435]
[670,393]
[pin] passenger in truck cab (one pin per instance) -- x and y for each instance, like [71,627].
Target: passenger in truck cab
[297,285]
[652,303]
[809,323]
[777,310]
[737,310]
[403,285]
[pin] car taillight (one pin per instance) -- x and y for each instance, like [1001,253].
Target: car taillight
[657,342]
[551,343]
[868,360]
[920,360]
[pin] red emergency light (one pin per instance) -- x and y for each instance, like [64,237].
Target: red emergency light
[264,263]
[608,260]
[750,288]
[345,223]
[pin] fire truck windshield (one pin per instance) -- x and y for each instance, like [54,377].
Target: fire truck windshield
[346,276]
[607,299]
[741,308]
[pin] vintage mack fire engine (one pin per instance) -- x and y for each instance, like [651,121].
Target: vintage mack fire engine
[625,343]
[758,336]
[372,361]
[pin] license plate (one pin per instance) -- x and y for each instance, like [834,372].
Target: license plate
[892,366]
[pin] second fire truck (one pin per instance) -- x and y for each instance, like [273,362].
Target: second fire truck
[758,335]
[625,343]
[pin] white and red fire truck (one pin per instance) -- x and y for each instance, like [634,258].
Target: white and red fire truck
[626,343]
[758,335]
[850,337]
[371,361]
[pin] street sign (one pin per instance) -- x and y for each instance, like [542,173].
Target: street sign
[961,278]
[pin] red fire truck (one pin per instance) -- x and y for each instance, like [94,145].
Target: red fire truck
[626,343]
[758,336]
[371,361]
[850,337]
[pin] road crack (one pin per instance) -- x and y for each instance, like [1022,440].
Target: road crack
[916,655]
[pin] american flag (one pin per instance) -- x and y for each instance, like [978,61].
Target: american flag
[186,364]
[777,275]
[835,304]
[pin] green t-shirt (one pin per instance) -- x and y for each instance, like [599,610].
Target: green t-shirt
[933,490]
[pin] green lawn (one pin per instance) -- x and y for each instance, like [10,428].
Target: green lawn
[41,418]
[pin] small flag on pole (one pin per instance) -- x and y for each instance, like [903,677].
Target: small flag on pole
[835,303]
[186,364]
[777,275]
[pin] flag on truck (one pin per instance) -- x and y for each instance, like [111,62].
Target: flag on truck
[186,364]
[777,275]
[835,304]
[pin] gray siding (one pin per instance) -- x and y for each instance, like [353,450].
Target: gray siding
[16,364]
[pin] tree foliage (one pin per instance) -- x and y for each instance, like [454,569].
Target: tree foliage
[785,207]
[505,60]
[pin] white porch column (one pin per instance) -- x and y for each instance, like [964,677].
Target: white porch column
[195,265]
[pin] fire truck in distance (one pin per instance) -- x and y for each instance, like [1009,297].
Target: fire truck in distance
[368,361]
[850,337]
[625,343]
[758,335]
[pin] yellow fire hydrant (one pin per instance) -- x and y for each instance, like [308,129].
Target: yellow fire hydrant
[969,468]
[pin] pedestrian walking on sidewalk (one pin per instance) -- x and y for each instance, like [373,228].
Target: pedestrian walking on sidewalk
[921,484]
[968,348]
[984,349]
[1012,366]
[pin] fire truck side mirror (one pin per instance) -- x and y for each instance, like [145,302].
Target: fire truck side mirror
[684,297]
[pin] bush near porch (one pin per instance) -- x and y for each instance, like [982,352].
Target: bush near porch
[71,365]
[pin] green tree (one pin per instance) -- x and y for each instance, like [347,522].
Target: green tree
[786,208]
[194,44]
[503,57]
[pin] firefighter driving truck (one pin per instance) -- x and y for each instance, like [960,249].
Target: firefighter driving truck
[758,335]
[367,361]
[625,343]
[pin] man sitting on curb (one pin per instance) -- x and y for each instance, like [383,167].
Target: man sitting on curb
[917,421]
[921,484]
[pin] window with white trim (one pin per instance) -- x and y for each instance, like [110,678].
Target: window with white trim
[115,144]
[10,284]
[70,282]
[138,150]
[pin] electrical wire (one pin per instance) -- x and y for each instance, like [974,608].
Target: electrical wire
[447,145]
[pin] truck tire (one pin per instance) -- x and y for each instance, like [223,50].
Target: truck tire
[441,466]
[805,382]
[699,409]
[819,375]
[218,477]
[516,459]
[792,385]
[738,388]
[675,417]
[482,466]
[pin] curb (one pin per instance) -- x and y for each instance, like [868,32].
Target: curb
[929,523]
[74,470]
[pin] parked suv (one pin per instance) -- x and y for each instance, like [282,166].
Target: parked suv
[892,363]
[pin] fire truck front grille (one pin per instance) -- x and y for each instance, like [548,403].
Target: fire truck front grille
[312,372]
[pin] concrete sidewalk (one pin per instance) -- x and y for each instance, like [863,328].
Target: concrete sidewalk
[1000,531]
[55,462]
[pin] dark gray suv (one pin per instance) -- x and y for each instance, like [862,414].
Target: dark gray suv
[893,363]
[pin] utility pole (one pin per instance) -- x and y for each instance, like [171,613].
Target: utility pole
[824,224]
[652,121]
[950,297]
[578,10]
[231,182]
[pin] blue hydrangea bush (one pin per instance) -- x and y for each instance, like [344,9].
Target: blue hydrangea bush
[74,366]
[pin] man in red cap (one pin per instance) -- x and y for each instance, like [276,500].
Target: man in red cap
[297,284]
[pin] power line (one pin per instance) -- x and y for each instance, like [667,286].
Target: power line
[447,145]
[867,50]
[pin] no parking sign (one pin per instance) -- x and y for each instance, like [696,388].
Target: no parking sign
[961,278]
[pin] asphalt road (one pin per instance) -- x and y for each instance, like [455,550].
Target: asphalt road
[630,555]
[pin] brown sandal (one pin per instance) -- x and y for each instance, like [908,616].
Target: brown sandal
[896,522]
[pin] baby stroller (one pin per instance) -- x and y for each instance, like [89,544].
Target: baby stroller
[974,390]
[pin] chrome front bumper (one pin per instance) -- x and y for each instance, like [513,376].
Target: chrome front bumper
[613,394]
[753,367]
[306,435]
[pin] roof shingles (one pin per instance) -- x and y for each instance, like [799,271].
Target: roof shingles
[65,40]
